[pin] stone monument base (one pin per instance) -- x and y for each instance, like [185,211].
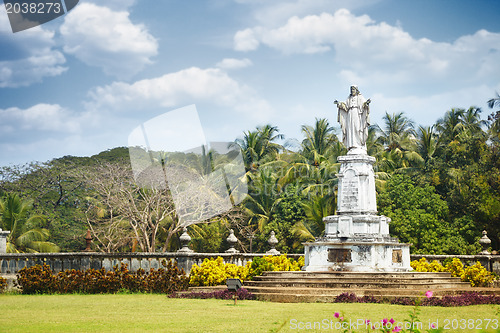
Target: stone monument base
[357,254]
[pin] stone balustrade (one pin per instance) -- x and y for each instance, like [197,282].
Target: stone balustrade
[11,263]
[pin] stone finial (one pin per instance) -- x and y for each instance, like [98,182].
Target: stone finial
[273,241]
[485,243]
[88,241]
[3,240]
[232,240]
[185,240]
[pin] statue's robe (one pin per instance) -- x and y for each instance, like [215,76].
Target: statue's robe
[354,120]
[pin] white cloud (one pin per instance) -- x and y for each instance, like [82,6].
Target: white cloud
[368,51]
[116,5]
[276,12]
[108,39]
[35,57]
[426,110]
[188,86]
[246,40]
[231,63]
[38,118]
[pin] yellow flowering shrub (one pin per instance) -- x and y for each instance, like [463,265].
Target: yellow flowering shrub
[455,267]
[476,274]
[274,263]
[3,284]
[423,265]
[214,272]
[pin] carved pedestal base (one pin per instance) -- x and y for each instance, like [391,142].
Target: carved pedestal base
[357,256]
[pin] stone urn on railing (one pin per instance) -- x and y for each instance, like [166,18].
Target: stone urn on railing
[185,240]
[273,241]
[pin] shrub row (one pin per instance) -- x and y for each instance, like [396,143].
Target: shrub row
[465,299]
[214,272]
[476,274]
[39,279]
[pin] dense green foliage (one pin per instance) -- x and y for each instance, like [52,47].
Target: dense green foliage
[420,217]
[27,232]
[440,185]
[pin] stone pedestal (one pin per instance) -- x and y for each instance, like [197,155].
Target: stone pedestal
[357,239]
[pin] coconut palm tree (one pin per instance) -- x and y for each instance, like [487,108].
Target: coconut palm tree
[494,118]
[494,101]
[26,233]
[473,125]
[398,138]
[316,208]
[259,144]
[451,125]
[427,142]
[320,141]
[263,196]
[398,132]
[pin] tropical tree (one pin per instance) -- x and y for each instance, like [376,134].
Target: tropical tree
[263,196]
[427,143]
[397,133]
[316,208]
[26,232]
[259,144]
[420,217]
[451,125]
[320,142]
[472,123]
[398,138]
[494,117]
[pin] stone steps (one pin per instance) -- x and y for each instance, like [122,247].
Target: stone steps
[326,286]
[360,281]
[361,285]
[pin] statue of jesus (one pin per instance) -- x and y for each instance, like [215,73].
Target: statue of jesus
[354,119]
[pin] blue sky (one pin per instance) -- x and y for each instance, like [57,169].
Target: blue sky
[81,83]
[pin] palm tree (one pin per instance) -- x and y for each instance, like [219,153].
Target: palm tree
[263,196]
[316,208]
[427,142]
[259,144]
[26,235]
[494,117]
[473,125]
[320,141]
[451,125]
[398,138]
[373,146]
[398,132]
[494,101]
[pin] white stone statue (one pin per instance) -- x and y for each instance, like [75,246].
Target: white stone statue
[354,119]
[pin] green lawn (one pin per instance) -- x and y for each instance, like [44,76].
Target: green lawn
[157,313]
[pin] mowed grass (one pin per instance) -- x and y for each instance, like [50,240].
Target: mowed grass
[157,313]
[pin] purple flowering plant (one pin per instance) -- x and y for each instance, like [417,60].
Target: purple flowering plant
[389,325]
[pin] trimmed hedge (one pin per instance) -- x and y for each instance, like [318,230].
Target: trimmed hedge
[39,279]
